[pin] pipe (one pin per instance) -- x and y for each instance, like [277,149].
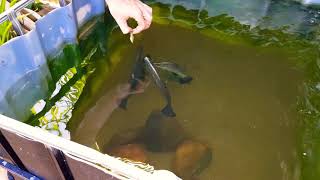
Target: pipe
[12,16]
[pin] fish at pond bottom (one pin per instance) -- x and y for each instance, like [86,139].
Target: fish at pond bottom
[162,133]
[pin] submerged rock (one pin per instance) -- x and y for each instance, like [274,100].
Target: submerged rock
[163,133]
[191,159]
[129,136]
[134,152]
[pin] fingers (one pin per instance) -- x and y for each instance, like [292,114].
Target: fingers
[123,26]
[144,17]
[123,91]
[146,11]
[143,84]
[139,91]
[141,23]
[122,10]
[148,8]
[147,14]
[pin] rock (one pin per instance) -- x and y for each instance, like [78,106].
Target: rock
[134,152]
[191,159]
[162,133]
[130,136]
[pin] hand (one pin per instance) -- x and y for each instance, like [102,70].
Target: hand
[122,10]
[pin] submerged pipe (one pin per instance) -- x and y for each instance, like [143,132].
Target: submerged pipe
[12,16]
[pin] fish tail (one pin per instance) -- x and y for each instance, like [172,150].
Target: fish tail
[168,111]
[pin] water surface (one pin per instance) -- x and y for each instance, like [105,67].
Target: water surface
[242,103]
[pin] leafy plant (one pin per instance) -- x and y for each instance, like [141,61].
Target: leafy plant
[6,31]
[36,6]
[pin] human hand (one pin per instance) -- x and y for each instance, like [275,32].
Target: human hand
[122,10]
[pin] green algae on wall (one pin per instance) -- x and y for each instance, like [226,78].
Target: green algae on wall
[304,53]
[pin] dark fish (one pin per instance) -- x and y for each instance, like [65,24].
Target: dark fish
[137,74]
[167,110]
[175,70]
[163,133]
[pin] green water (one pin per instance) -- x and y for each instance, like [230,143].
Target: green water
[242,102]
[254,99]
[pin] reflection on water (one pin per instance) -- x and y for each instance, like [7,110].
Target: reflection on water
[21,96]
[262,13]
[242,103]
[55,118]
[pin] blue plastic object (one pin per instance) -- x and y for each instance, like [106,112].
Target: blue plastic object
[15,170]
[23,64]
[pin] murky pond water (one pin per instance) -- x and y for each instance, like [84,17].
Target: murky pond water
[242,103]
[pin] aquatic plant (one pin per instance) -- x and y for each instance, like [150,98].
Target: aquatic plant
[68,82]
[56,118]
[36,6]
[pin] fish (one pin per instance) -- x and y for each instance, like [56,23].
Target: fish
[175,71]
[138,74]
[168,109]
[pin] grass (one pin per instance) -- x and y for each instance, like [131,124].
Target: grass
[6,31]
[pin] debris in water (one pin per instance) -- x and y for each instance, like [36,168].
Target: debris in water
[97,146]
[131,37]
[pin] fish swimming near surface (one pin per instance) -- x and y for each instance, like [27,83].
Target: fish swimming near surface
[143,66]
[176,72]
[167,110]
[138,75]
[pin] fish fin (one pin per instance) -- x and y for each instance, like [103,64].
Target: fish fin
[124,104]
[185,80]
[168,111]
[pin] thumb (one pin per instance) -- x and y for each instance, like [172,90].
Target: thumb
[123,26]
